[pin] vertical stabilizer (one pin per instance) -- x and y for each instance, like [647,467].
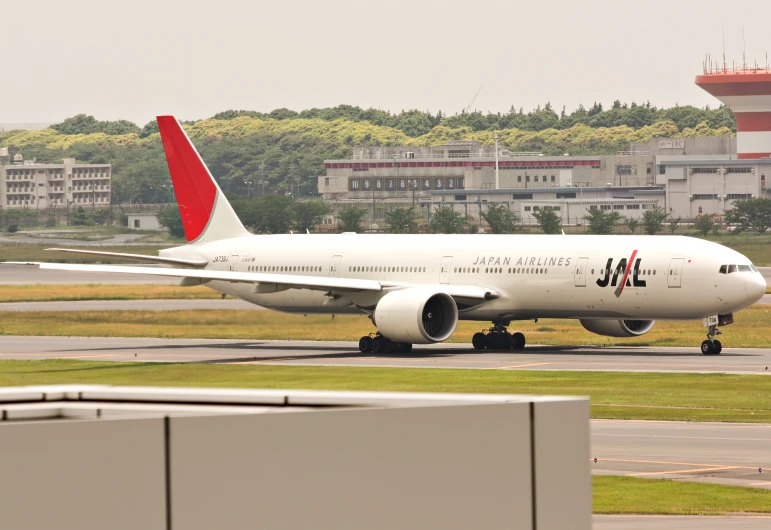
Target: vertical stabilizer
[206,213]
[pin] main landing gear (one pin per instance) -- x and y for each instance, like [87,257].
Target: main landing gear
[377,343]
[498,338]
[712,346]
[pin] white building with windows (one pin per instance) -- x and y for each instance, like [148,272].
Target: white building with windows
[29,185]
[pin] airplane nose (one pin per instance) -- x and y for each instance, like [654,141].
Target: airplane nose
[755,287]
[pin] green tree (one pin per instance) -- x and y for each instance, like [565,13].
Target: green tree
[601,221]
[752,215]
[269,214]
[704,223]
[402,220]
[673,224]
[307,214]
[632,224]
[549,220]
[170,219]
[445,220]
[80,217]
[500,219]
[349,218]
[653,220]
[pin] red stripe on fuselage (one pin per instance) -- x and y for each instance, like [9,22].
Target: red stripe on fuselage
[193,185]
[620,288]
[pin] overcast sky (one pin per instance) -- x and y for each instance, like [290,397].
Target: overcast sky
[193,58]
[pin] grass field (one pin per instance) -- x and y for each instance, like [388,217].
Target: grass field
[52,293]
[34,252]
[626,495]
[749,331]
[614,395]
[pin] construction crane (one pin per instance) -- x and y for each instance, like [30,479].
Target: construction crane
[473,100]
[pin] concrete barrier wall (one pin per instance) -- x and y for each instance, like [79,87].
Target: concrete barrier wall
[424,462]
[82,475]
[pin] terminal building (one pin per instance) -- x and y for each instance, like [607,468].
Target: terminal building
[684,176]
[28,185]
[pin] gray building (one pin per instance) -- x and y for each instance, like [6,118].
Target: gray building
[571,203]
[685,176]
[27,184]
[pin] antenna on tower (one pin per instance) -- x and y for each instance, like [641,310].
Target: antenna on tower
[724,63]
[744,50]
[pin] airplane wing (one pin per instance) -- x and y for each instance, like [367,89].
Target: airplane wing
[137,257]
[288,281]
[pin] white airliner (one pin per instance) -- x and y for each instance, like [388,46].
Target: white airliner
[415,288]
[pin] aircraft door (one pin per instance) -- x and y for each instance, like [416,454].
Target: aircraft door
[233,263]
[334,267]
[444,272]
[675,271]
[580,272]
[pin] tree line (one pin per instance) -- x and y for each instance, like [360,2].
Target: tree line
[283,152]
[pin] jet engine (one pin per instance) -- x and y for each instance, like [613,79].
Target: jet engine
[416,316]
[618,328]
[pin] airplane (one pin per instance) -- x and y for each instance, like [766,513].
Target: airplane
[416,287]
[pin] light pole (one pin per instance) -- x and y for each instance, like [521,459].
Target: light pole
[745,187]
[497,180]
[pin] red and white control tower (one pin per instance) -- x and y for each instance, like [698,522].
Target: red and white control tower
[746,91]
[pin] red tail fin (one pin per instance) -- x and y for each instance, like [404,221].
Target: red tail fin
[206,214]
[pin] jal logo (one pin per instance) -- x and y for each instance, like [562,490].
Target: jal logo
[622,272]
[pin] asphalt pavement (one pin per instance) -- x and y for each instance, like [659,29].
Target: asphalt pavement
[680,522]
[318,353]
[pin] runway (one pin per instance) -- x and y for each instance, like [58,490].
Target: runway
[680,522]
[24,275]
[316,353]
[717,453]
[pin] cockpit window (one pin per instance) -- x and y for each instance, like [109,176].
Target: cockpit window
[723,269]
[731,268]
[754,268]
[744,268]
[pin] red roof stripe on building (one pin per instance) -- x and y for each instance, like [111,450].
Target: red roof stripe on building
[736,85]
[744,156]
[753,121]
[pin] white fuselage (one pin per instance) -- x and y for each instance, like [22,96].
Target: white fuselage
[535,276]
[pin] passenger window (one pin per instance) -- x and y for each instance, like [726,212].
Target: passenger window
[731,268]
[744,268]
[723,269]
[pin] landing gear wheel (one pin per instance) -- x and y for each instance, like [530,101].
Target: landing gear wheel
[380,345]
[518,341]
[491,341]
[405,347]
[712,346]
[478,341]
[365,344]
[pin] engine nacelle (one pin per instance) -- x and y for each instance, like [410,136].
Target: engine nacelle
[618,328]
[416,316]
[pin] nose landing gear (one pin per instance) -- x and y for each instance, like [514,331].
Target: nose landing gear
[498,338]
[712,346]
